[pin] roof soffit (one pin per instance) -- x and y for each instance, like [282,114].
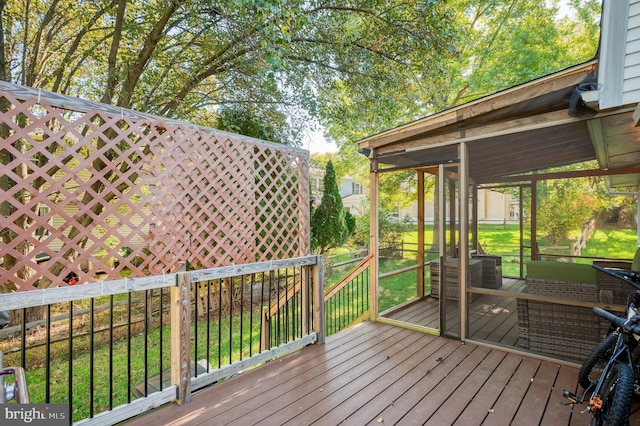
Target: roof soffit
[546,94]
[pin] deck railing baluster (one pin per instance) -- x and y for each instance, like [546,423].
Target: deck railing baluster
[129,346]
[219,322]
[70,350]
[231,290]
[139,314]
[146,343]
[48,356]
[195,318]
[91,356]
[111,343]
[208,351]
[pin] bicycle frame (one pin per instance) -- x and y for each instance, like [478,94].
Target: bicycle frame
[621,351]
[624,350]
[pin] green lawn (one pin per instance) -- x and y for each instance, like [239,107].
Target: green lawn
[505,240]
[498,239]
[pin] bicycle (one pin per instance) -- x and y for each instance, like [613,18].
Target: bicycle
[609,373]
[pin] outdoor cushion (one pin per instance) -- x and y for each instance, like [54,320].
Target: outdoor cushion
[635,266]
[563,271]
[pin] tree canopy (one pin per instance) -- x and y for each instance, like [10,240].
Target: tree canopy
[355,67]
[189,59]
[497,44]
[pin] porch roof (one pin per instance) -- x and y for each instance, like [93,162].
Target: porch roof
[520,130]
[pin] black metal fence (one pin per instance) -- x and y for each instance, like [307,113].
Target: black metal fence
[348,300]
[109,345]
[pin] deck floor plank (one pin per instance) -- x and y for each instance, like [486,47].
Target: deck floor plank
[479,408]
[349,400]
[537,395]
[448,387]
[274,397]
[238,389]
[558,412]
[431,378]
[375,373]
[345,388]
[514,392]
[467,391]
[375,405]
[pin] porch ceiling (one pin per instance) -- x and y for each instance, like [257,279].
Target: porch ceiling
[517,131]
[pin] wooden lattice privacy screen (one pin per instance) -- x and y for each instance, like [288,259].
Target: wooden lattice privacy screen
[96,191]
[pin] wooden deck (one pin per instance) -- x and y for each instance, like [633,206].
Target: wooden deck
[374,374]
[491,318]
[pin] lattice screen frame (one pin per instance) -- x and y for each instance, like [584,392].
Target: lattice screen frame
[101,192]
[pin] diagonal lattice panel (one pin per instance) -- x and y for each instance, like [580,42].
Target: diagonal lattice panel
[95,193]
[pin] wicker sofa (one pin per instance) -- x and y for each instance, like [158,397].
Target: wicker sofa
[561,331]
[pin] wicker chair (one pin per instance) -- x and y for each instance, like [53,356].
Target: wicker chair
[451,281]
[612,290]
[560,331]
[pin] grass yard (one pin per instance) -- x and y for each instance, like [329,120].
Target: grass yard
[501,240]
[505,241]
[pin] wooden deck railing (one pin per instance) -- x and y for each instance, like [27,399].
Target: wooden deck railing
[114,349]
[348,299]
[344,303]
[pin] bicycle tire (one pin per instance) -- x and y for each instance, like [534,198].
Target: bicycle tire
[598,357]
[616,398]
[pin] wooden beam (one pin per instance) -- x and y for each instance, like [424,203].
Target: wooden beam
[442,247]
[482,106]
[565,175]
[463,249]
[534,219]
[636,116]
[454,136]
[181,338]
[362,266]
[250,268]
[420,283]
[318,298]
[374,251]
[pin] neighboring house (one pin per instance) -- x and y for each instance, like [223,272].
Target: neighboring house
[130,229]
[493,207]
[353,195]
[352,192]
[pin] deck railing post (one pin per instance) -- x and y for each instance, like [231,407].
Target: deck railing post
[265,335]
[304,299]
[318,299]
[181,337]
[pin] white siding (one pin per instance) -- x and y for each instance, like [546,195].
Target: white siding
[631,85]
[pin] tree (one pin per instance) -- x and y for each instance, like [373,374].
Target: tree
[350,221]
[563,211]
[237,64]
[495,44]
[187,59]
[328,225]
[271,126]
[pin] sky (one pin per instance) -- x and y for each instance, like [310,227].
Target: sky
[315,142]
